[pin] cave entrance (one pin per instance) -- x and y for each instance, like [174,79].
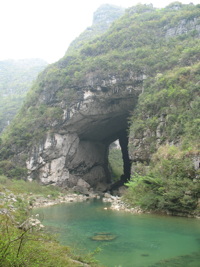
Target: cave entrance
[115,161]
[76,155]
[96,132]
[92,160]
[119,162]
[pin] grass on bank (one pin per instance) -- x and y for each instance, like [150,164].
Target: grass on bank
[24,187]
[30,246]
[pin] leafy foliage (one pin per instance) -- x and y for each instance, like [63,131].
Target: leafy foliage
[167,112]
[169,184]
[29,247]
[10,169]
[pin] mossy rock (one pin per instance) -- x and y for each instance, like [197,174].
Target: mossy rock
[103,237]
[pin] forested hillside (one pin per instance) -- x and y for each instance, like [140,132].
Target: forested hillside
[155,51]
[16,77]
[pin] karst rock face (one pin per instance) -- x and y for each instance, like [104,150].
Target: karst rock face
[76,154]
[82,103]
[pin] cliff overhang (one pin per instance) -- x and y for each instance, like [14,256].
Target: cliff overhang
[75,154]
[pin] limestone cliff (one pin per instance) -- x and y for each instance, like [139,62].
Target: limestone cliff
[84,102]
[78,147]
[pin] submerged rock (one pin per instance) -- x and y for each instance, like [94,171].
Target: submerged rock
[103,237]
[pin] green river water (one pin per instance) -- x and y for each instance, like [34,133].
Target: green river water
[141,240]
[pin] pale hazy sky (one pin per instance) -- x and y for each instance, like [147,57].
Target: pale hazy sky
[45,28]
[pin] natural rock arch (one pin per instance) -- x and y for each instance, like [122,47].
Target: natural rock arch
[76,154]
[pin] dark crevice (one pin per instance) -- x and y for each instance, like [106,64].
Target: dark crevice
[125,177]
[107,171]
[123,141]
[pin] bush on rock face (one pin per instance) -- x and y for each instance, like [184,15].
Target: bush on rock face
[169,184]
[10,169]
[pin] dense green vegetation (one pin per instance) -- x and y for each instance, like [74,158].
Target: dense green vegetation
[16,77]
[29,248]
[168,115]
[171,103]
[9,169]
[169,184]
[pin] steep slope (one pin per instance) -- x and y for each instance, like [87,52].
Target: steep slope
[82,103]
[103,17]
[16,77]
[164,143]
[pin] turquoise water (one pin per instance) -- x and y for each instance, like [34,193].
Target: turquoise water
[141,240]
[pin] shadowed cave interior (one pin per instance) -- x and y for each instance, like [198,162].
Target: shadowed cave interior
[101,132]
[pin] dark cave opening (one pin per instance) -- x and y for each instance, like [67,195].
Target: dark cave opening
[119,161]
[92,160]
[96,132]
[123,141]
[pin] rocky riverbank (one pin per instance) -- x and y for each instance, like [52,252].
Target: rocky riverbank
[115,201]
[10,200]
[118,205]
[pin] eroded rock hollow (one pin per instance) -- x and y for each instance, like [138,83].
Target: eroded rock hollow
[75,155]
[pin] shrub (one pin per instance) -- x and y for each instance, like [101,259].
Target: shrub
[11,170]
[29,247]
[168,184]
